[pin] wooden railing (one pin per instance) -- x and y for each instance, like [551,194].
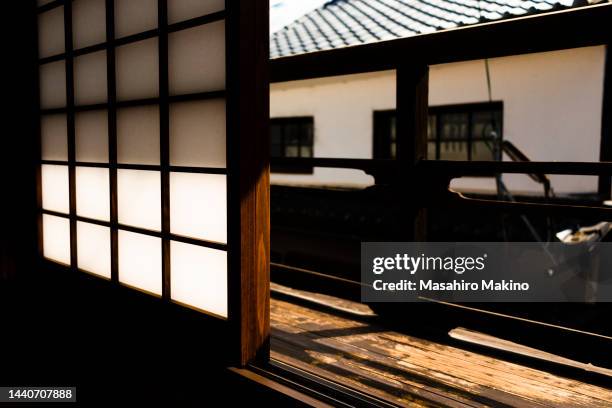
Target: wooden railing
[411,58]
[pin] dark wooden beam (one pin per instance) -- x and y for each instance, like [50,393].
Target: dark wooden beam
[573,28]
[454,168]
[248,178]
[412,100]
[605,152]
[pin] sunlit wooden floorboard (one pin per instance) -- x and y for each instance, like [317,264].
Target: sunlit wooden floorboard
[406,370]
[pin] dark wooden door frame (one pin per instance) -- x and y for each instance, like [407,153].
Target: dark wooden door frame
[248,178]
[247,155]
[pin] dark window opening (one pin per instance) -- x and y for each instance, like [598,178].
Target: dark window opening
[292,137]
[454,132]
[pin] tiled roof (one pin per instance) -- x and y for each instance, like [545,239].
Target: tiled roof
[340,23]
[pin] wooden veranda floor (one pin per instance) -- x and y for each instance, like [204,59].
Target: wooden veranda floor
[405,370]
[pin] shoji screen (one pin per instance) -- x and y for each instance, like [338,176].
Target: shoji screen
[136,173]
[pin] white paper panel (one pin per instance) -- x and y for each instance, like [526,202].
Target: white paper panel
[179,10]
[93,249]
[199,277]
[91,136]
[140,261]
[92,193]
[139,198]
[137,67]
[53,85]
[51,32]
[196,59]
[198,206]
[56,238]
[88,23]
[55,188]
[138,135]
[197,133]
[90,78]
[53,137]
[134,16]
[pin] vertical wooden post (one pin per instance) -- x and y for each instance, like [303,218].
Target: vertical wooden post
[412,90]
[248,172]
[605,152]
[164,143]
[70,120]
[111,83]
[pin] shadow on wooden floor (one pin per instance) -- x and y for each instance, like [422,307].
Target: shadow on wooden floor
[407,370]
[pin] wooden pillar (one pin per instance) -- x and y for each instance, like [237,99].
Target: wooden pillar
[412,88]
[248,172]
[605,152]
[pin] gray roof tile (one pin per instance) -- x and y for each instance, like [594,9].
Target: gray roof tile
[339,23]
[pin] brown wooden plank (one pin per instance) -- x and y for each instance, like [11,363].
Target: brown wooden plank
[292,354]
[507,367]
[486,340]
[349,355]
[310,316]
[311,320]
[519,385]
[337,363]
[319,320]
[333,302]
[422,357]
[281,388]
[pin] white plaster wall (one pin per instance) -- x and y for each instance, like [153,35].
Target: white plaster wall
[552,111]
[343,110]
